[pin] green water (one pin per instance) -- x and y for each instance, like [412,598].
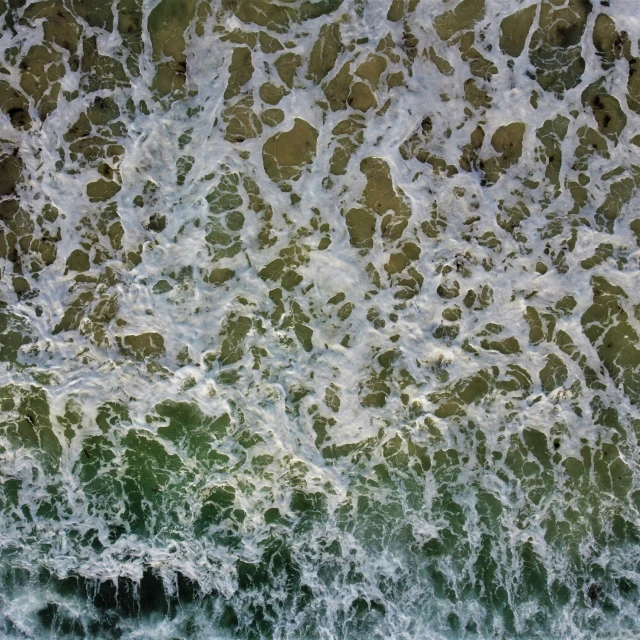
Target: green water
[319,319]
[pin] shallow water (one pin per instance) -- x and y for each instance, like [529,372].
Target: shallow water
[319,319]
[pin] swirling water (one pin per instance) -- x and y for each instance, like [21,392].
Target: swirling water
[319,319]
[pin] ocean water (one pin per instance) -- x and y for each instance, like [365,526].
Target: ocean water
[319,319]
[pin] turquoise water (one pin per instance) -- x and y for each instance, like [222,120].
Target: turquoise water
[319,319]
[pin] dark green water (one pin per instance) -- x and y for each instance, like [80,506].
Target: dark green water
[319,319]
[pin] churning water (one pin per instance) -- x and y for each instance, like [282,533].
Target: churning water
[319,319]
